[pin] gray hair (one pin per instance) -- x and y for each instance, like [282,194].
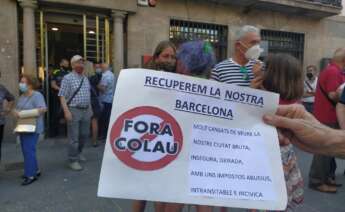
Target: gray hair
[243,31]
[339,55]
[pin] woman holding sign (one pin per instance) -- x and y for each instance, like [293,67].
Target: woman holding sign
[195,58]
[31,105]
[164,59]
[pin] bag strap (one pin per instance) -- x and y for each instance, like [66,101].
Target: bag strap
[25,103]
[309,86]
[327,97]
[76,91]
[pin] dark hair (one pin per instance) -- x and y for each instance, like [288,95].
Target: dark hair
[159,49]
[31,81]
[63,59]
[284,75]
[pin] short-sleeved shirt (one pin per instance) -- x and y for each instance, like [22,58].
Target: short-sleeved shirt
[329,79]
[108,81]
[310,86]
[4,95]
[58,75]
[230,72]
[70,84]
[35,101]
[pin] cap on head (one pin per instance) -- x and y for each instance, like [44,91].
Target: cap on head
[76,58]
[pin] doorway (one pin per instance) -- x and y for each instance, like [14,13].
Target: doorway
[64,41]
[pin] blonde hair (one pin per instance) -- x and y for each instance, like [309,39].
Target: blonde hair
[89,70]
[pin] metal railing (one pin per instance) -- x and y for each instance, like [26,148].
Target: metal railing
[284,42]
[336,3]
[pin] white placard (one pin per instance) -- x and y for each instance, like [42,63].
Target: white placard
[175,138]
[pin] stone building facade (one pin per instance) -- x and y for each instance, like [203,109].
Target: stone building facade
[121,32]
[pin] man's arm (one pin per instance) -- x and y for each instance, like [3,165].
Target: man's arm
[308,94]
[101,88]
[54,85]
[334,96]
[341,115]
[9,102]
[336,144]
[67,112]
[305,132]
[330,85]
[62,93]
[102,85]
[8,106]
[340,109]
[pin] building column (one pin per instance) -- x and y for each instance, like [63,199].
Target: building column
[29,33]
[118,40]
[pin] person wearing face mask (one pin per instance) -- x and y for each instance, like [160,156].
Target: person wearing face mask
[95,102]
[194,58]
[58,75]
[30,100]
[106,87]
[54,110]
[75,98]
[322,170]
[244,68]
[310,88]
[164,57]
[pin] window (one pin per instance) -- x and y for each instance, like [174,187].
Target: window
[284,42]
[217,35]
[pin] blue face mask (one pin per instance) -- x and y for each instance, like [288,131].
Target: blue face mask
[23,87]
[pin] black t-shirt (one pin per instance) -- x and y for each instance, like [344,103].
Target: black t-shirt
[95,79]
[58,76]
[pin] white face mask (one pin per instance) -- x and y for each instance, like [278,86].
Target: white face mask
[254,52]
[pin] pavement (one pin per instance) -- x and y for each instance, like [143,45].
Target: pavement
[62,190]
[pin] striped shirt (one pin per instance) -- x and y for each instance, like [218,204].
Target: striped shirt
[229,72]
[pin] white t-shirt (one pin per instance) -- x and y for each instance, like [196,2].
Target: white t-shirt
[311,88]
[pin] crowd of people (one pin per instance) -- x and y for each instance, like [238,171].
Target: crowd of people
[80,100]
[84,100]
[279,73]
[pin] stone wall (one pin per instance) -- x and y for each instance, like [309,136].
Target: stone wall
[9,53]
[125,5]
[150,25]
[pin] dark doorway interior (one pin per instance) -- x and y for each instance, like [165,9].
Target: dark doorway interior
[64,41]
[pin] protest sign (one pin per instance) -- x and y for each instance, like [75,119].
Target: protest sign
[174,138]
